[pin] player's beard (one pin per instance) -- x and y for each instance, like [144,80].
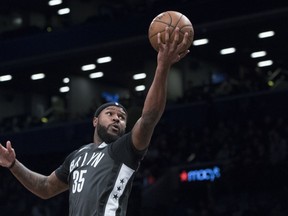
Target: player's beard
[105,136]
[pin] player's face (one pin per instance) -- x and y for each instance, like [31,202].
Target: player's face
[111,124]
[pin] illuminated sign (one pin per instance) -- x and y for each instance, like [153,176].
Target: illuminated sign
[208,174]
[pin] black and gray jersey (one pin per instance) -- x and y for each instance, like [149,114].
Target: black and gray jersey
[100,177]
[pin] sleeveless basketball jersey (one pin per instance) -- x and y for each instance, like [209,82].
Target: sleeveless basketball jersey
[100,177]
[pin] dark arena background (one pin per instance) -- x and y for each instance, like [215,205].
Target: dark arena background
[220,148]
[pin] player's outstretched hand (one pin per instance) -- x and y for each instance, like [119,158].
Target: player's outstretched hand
[7,155]
[169,50]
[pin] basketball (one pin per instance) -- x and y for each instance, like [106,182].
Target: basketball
[172,19]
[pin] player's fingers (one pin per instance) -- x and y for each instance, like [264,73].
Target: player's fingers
[159,41]
[8,145]
[167,35]
[183,54]
[185,39]
[176,35]
[183,45]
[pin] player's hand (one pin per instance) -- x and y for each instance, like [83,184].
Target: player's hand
[7,155]
[169,50]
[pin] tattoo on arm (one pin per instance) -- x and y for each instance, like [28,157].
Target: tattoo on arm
[41,185]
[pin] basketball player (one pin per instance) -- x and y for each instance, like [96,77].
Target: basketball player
[99,175]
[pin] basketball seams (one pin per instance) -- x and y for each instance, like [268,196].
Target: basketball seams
[171,20]
[158,32]
[172,26]
[177,22]
[169,24]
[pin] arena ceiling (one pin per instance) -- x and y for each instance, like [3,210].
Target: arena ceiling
[34,38]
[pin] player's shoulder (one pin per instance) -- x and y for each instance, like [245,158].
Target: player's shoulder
[85,147]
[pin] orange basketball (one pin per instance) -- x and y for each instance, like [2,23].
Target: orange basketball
[172,19]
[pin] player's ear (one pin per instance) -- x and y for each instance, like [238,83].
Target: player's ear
[95,121]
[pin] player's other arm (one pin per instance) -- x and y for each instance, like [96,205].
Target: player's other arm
[154,105]
[43,186]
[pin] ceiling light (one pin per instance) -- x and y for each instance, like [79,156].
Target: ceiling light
[140,88]
[66,80]
[96,75]
[258,54]
[49,29]
[266,34]
[104,60]
[139,76]
[54,2]
[265,63]
[5,78]
[270,83]
[37,76]
[227,51]
[17,21]
[44,120]
[88,67]
[64,89]
[200,42]
[63,11]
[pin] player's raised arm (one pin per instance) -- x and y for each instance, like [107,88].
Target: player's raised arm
[154,105]
[43,186]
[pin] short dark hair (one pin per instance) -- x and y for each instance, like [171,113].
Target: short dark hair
[103,106]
